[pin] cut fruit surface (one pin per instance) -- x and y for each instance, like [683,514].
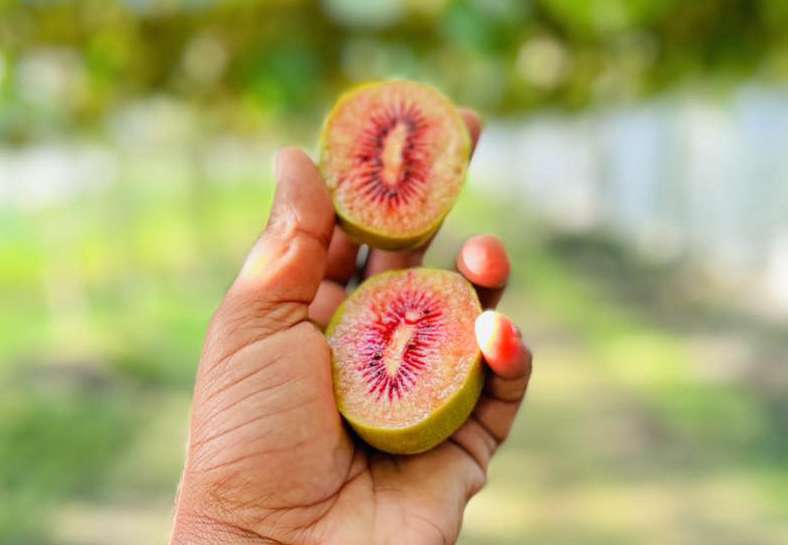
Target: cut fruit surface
[406,363]
[394,155]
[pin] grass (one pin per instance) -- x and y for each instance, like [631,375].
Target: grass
[637,428]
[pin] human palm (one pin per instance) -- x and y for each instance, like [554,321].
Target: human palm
[269,459]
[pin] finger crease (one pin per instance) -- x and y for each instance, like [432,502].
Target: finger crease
[475,458]
[497,439]
[324,239]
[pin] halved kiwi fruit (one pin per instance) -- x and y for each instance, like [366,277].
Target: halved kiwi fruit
[394,156]
[406,364]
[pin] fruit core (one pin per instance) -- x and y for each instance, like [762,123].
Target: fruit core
[399,344]
[388,167]
[395,142]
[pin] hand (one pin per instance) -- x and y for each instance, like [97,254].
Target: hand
[269,460]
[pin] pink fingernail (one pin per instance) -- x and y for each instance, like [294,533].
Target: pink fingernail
[499,342]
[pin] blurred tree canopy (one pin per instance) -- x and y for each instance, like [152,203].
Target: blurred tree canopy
[70,62]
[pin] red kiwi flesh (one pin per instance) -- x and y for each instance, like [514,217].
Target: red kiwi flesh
[406,363]
[394,156]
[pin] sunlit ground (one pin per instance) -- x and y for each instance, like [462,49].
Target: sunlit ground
[657,413]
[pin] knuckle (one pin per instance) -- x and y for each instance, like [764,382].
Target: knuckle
[242,319]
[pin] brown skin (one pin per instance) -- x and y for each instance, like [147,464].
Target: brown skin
[483,261]
[269,459]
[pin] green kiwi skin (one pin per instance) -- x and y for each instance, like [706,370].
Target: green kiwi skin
[383,242]
[436,428]
[362,234]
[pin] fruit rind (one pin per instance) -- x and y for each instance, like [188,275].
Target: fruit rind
[438,426]
[366,234]
[432,431]
[377,240]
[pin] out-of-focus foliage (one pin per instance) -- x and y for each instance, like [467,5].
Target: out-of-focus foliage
[135,141]
[654,416]
[249,60]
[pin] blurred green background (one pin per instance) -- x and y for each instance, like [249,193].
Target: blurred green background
[635,161]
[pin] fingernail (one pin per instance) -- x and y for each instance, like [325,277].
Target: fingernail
[483,259]
[499,342]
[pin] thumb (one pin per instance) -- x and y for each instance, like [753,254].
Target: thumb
[283,270]
[288,260]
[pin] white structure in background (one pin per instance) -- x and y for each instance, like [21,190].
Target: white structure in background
[680,175]
[48,174]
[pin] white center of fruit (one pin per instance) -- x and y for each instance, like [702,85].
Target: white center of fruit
[393,145]
[395,351]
